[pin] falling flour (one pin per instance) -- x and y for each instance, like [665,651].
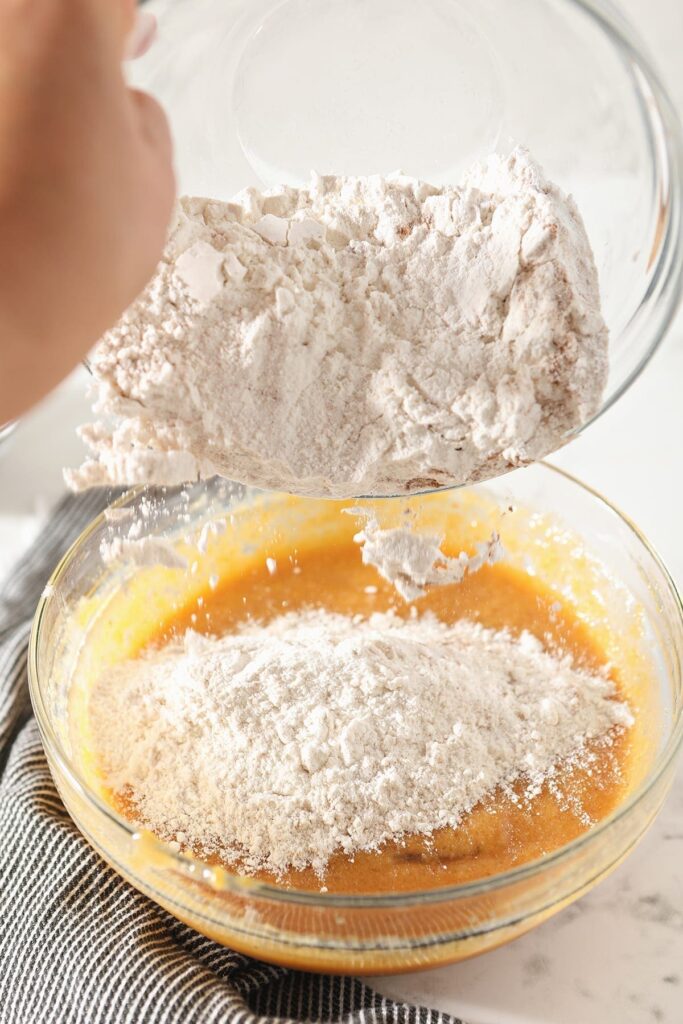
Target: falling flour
[141,551]
[360,336]
[282,743]
[411,560]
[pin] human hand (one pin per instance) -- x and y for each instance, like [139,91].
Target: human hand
[86,187]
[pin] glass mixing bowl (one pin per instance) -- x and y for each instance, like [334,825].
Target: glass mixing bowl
[572,540]
[261,92]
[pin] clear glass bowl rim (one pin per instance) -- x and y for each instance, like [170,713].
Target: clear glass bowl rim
[666,146]
[250,888]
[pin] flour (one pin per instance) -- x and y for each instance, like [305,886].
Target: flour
[143,551]
[118,515]
[361,336]
[280,744]
[211,529]
[411,560]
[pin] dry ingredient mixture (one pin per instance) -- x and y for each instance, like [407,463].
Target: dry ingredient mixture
[412,560]
[279,744]
[361,336]
[141,551]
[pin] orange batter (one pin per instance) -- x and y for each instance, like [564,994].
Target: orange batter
[497,834]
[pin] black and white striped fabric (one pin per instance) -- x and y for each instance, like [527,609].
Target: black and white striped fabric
[78,945]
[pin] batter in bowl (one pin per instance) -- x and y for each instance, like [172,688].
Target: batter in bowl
[326,584]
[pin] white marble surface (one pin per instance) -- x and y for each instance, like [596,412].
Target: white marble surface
[615,957]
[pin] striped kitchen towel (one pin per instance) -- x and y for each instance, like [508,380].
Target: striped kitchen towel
[78,945]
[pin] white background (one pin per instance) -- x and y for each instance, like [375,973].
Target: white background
[616,957]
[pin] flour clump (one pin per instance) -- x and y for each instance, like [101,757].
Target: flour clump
[359,336]
[412,560]
[285,742]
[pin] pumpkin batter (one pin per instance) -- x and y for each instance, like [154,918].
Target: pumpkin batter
[499,833]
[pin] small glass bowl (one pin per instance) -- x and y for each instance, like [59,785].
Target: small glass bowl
[261,92]
[552,527]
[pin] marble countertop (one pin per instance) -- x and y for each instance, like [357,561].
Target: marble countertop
[616,956]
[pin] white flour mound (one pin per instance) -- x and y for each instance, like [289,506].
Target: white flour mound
[412,561]
[318,732]
[361,336]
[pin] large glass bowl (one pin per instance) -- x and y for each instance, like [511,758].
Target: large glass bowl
[264,91]
[553,527]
